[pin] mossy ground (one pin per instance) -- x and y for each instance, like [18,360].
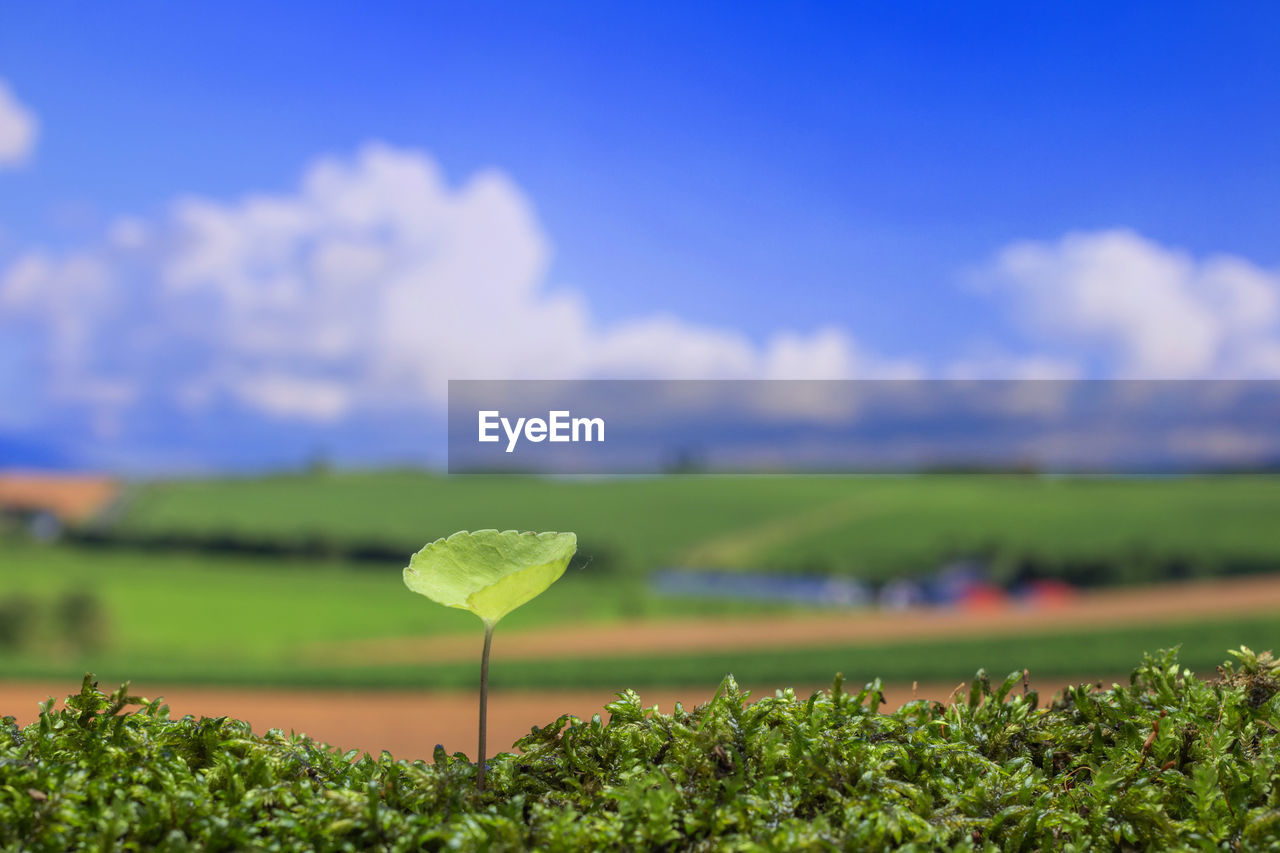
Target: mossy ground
[1166,762]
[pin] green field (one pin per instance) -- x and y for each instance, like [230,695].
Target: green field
[168,613]
[201,616]
[1091,654]
[871,527]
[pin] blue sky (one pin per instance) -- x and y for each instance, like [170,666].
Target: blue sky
[938,188]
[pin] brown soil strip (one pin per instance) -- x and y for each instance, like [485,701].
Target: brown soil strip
[69,497]
[410,724]
[1128,606]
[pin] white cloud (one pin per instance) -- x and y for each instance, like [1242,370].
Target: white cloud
[18,128]
[1158,312]
[68,293]
[829,353]
[291,397]
[671,348]
[361,292]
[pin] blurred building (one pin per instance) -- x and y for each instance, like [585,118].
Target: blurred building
[813,590]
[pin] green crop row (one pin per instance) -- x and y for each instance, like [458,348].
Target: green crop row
[1165,762]
[869,527]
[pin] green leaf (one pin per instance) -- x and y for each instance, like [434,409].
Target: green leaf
[487,572]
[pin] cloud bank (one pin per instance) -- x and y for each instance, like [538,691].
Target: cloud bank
[359,294]
[348,302]
[1148,310]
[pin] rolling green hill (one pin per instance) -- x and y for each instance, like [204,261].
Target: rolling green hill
[870,527]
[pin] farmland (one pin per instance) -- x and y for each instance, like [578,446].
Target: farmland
[228,622]
[177,614]
[871,527]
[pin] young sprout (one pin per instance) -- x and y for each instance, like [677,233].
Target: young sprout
[490,574]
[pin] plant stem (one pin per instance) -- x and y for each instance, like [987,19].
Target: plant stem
[484,704]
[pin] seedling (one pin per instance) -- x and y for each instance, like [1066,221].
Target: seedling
[490,574]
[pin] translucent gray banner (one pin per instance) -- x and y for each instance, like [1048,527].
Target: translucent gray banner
[863,426]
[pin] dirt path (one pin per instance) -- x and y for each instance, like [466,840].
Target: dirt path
[410,724]
[1115,607]
[71,497]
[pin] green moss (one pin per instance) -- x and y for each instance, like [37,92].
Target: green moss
[1167,761]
